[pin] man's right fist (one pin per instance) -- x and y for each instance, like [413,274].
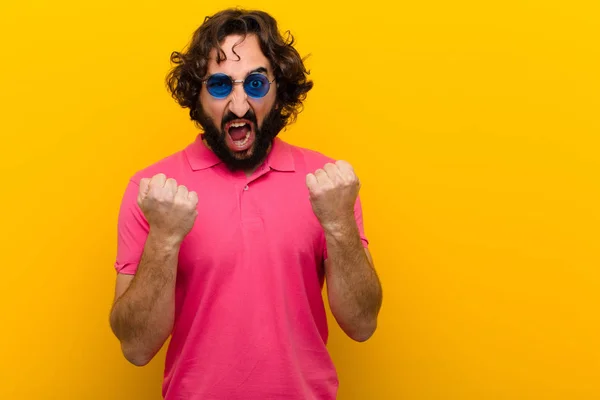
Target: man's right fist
[169,208]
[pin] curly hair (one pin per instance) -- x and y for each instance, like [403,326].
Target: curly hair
[184,80]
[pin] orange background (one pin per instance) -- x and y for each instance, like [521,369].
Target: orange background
[474,127]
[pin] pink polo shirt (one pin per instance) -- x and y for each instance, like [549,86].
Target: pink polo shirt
[250,321]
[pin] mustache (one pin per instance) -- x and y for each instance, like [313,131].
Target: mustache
[250,116]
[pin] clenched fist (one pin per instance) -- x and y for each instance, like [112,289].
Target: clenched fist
[333,191]
[169,208]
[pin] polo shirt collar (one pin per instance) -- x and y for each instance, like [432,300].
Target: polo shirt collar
[200,156]
[280,158]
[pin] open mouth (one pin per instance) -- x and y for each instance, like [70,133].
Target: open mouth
[240,134]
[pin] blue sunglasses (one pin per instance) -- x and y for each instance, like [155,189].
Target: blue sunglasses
[255,85]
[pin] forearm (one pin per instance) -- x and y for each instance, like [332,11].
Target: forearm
[353,287]
[142,318]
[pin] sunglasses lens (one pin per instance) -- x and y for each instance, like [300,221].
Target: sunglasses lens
[256,85]
[219,85]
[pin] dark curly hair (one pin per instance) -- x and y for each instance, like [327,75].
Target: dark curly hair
[184,80]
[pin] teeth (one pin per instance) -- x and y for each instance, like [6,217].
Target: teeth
[237,124]
[243,141]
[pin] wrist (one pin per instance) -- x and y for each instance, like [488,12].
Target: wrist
[340,227]
[164,240]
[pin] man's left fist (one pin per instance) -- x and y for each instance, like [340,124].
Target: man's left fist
[333,191]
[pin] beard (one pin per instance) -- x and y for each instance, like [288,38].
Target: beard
[257,153]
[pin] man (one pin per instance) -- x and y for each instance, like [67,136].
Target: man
[225,245]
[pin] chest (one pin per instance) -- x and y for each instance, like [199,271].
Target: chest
[261,224]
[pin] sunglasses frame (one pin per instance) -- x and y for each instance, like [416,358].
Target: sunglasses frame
[236,81]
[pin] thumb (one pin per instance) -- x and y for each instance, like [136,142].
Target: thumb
[144,188]
[311,183]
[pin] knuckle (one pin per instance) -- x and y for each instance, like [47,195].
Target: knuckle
[156,179]
[152,192]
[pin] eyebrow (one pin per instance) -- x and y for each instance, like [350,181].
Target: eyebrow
[261,70]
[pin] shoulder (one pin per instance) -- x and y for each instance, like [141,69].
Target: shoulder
[168,165]
[172,165]
[308,159]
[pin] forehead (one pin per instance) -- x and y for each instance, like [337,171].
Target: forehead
[247,57]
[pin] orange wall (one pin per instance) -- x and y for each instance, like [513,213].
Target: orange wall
[474,128]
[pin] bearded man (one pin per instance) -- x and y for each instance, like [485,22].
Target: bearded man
[225,246]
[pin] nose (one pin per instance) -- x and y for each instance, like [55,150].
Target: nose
[239,101]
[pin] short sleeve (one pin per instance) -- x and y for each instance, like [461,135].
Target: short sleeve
[132,231]
[358,216]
